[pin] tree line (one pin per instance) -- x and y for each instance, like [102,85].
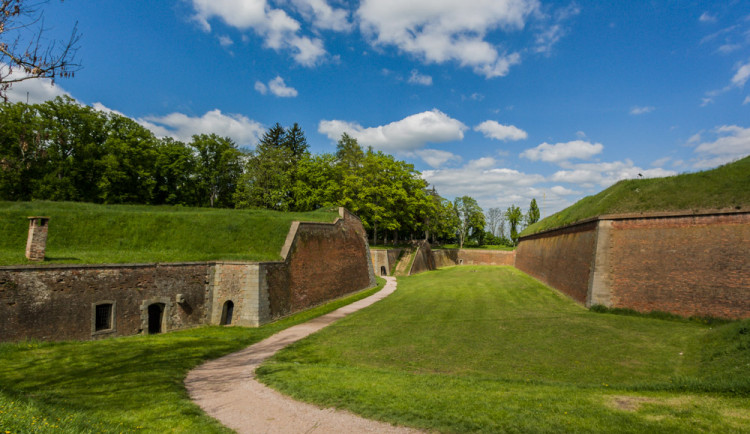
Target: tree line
[63,151]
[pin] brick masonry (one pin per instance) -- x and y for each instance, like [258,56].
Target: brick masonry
[36,243]
[423,259]
[384,260]
[688,264]
[322,261]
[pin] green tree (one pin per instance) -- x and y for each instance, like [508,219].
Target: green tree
[22,154]
[267,181]
[514,216]
[218,168]
[294,140]
[175,174]
[532,216]
[470,218]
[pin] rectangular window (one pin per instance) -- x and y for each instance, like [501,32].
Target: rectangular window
[103,320]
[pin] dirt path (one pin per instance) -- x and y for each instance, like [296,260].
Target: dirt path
[226,388]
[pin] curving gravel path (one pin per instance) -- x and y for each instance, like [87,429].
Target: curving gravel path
[227,390]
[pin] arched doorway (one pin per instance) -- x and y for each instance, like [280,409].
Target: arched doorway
[155,318]
[226,312]
[383,271]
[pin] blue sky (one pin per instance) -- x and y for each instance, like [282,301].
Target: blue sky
[502,100]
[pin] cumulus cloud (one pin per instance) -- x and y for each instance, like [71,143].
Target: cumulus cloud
[497,131]
[408,134]
[743,73]
[707,18]
[323,16]
[225,41]
[493,186]
[278,30]
[276,87]
[417,78]
[731,142]
[560,152]
[34,90]
[442,31]
[641,110]
[244,131]
[588,175]
[436,158]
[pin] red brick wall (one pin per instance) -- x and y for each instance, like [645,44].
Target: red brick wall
[486,257]
[692,265]
[562,259]
[325,261]
[423,259]
[56,303]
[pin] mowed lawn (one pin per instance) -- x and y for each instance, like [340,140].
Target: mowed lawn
[490,349]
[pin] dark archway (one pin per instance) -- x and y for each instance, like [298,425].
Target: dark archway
[155,318]
[226,312]
[383,271]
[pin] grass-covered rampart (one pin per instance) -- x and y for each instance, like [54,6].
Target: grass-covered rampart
[90,233]
[726,187]
[489,349]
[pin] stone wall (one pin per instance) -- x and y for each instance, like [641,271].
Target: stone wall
[57,303]
[384,260]
[423,259]
[562,259]
[322,261]
[688,263]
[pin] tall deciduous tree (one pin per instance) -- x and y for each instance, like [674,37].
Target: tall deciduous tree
[532,216]
[218,167]
[470,218]
[494,217]
[514,216]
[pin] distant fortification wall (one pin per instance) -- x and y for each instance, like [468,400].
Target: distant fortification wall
[688,264]
[562,259]
[423,259]
[450,257]
[322,261]
[383,261]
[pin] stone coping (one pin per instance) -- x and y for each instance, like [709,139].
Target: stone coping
[32,267]
[641,215]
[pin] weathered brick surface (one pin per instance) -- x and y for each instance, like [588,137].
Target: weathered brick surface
[449,257]
[56,303]
[325,261]
[423,259]
[562,259]
[689,265]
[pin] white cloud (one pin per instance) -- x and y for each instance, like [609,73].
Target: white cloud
[408,134]
[244,131]
[660,162]
[103,108]
[550,34]
[278,30]
[747,100]
[225,41]
[641,110]
[436,158]
[280,89]
[442,31]
[560,152]
[732,142]
[417,78]
[323,15]
[707,18]
[562,191]
[35,90]
[588,175]
[276,87]
[743,73]
[497,131]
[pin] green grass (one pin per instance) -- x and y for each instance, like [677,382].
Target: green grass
[89,233]
[132,384]
[726,187]
[490,349]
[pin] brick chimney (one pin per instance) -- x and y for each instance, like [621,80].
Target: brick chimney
[37,241]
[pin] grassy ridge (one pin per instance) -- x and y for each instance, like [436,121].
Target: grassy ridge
[490,349]
[726,187]
[130,384]
[89,233]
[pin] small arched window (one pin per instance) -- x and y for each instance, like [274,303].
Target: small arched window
[226,312]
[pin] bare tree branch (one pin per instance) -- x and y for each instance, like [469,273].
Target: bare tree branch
[22,23]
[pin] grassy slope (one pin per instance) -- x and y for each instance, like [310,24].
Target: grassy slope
[89,233]
[132,384]
[490,349]
[726,187]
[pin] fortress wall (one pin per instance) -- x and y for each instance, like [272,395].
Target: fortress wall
[323,261]
[423,259]
[562,258]
[57,303]
[384,258]
[486,257]
[688,265]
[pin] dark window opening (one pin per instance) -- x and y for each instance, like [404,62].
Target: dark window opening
[383,272]
[155,316]
[103,318]
[227,312]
